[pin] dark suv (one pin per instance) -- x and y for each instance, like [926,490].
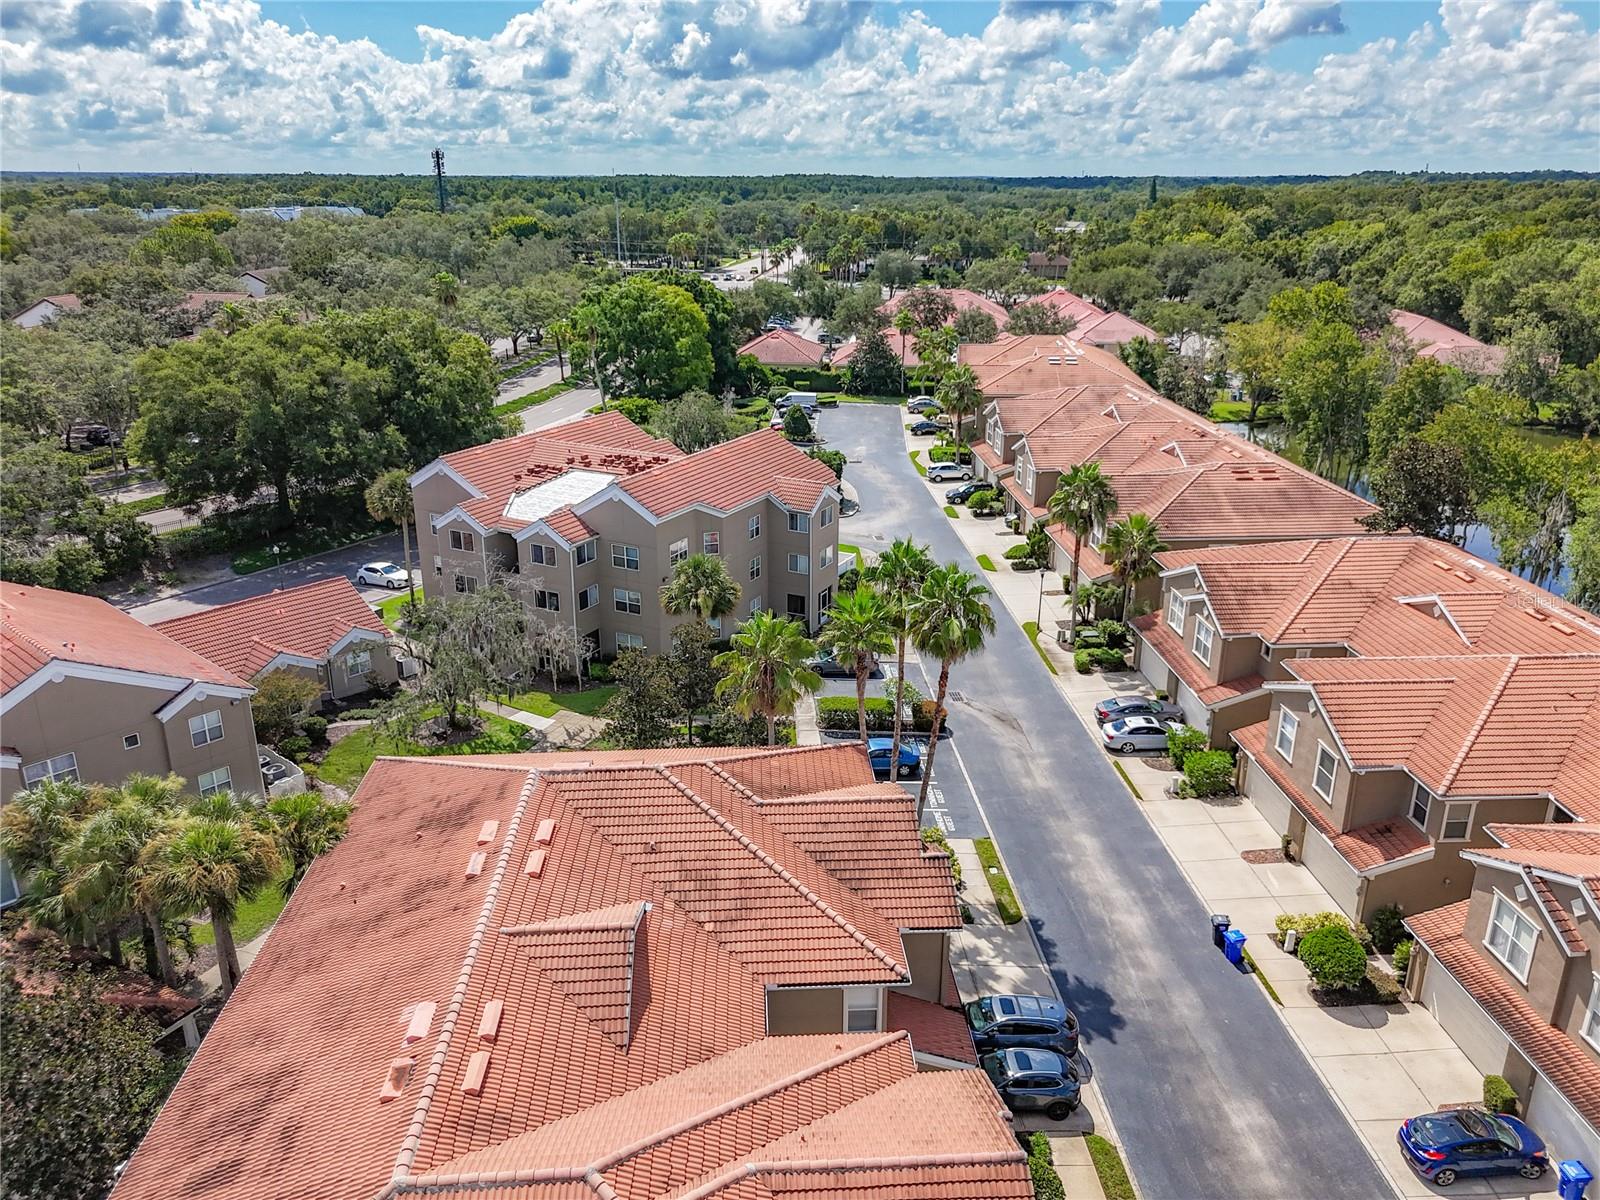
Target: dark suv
[1034,1081]
[1042,1022]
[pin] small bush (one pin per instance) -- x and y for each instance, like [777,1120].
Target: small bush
[1181,742]
[1019,551]
[1334,957]
[314,727]
[1386,929]
[1115,634]
[1402,958]
[1498,1095]
[296,747]
[850,580]
[1208,772]
[1109,660]
[1082,662]
[932,835]
[1383,987]
[1304,923]
[600,671]
[1047,1183]
[360,714]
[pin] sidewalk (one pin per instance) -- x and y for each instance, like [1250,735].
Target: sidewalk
[1381,1063]
[990,957]
[566,729]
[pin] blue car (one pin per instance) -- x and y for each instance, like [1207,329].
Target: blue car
[1443,1146]
[878,750]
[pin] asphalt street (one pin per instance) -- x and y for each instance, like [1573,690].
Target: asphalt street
[1210,1096]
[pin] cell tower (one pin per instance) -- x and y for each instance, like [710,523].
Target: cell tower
[438,175]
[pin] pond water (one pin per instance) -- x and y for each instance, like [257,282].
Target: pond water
[1275,436]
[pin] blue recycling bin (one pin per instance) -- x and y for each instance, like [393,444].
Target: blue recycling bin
[1572,1178]
[1233,945]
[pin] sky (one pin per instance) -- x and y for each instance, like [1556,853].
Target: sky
[1054,87]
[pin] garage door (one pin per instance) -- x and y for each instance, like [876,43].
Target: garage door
[1195,714]
[1567,1134]
[1468,1025]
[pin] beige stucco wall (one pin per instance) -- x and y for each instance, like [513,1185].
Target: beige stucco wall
[805,1010]
[1548,970]
[926,955]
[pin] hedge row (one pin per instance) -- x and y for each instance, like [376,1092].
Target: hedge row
[839,713]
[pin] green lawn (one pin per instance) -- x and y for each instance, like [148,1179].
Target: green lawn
[844,398]
[391,607]
[149,504]
[1239,410]
[916,461]
[1114,1179]
[850,548]
[348,761]
[987,563]
[547,704]
[1031,628]
[1005,900]
[302,540]
[538,397]
[254,915]
[951,511]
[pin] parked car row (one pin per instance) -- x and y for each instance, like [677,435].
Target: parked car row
[1026,1045]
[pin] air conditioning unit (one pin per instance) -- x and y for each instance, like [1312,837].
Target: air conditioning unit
[408,668]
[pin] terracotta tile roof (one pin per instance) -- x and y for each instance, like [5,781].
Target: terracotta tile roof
[1572,859]
[605,441]
[1113,329]
[1436,340]
[1022,499]
[1240,500]
[933,1028]
[1090,561]
[733,474]
[1579,837]
[1574,1071]
[1383,596]
[988,457]
[40,625]
[1016,366]
[963,299]
[781,348]
[592,991]
[1159,636]
[902,348]
[307,621]
[1364,847]
[1490,725]
[1068,304]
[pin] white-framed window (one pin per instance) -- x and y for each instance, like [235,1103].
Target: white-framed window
[1457,823]
[992,433]
[219,780]
[1421,802]
[1202,640]
[466,584]
[589,597]
[1288,726]
[1025,477]
[55,770]
[462,539]
[1511,937]
[541,555]
[357,663]
[206,728]
[438,565]
[625,558]
[1590,1028]
[625,601]
[711,542]
[547,600]
[799,523]
[824,599]
[757,603]
[755,526]
[677,552]
[1174,617]
[130,741]
[799,564]
[825,559]
[755,567]
[861,1005]
[629,641]
[827,515]
[585,551]
[1327,770]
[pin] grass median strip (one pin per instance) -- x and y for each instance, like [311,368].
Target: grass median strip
[1114,1179]
[149,504]
[1005,900]
[1265,982]
[538,397]
[987,563]
[951,511]
[916,461]
[1123,771]
[1031,628]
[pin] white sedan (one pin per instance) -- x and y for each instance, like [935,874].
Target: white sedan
[382,574]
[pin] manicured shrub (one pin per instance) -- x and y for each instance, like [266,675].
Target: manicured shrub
[314,727]
[1334,957]
[1498,1095]
[1019,551]
[1109,660]
[296,747]
[1082,661]
[982,497]
[1208,772]
[360,714]
[1383,987]
[839,713]
[1116,634]
[1402,958]
[1304,923]
[1386,928]
[1047,1183]
[1182,741]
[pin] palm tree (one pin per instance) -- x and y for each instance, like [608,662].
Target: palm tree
[305,825]
[1082,501]
[231,318]
[445,288]
[701,585]
[389,499]
[904,323]
[562,333]
[206,862]
[1131,547]
[859,632]
[898,576]
[36,826]
[765,672]
[960,396]
[949,620]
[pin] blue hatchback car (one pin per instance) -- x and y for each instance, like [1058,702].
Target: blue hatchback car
[1443,1146]
[878,751]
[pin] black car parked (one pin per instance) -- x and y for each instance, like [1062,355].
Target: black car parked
[963,492]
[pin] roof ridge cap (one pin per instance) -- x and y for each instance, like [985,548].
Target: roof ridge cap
[747,1170]
[783,873]
[1311,590]
[1500,686]
[413,1139]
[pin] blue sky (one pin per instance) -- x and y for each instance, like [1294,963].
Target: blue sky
[759,86]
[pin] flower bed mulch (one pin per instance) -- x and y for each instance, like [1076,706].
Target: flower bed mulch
[1262,857]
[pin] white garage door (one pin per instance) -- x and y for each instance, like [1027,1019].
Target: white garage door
[1566,1133]
[1195,714]
[1468,1025]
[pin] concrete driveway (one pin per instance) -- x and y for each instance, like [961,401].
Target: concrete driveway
[1210,1095]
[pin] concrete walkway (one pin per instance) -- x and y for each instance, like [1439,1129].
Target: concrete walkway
[565,730]
[1379,1063]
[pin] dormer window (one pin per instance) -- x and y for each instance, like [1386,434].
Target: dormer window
[861,1009]
[1175,610]
[1203,640]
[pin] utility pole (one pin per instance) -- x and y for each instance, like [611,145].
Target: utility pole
[616,202]
[438,175]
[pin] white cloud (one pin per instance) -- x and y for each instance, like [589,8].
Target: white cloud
[1097,86]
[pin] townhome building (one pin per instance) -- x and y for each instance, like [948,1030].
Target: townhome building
[1230,618]
[961,300]
[628,974]
[589,519]
[1512,972]
[88,693]
[1382,772]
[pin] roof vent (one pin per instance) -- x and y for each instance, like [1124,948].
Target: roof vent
[1054,360]
[421,1020]
[475,864]
[1521,892]
[534,867]
[1442,565]
[1562,627]
[546,831]
[489,1023]
[477,1068]
[395,1083]
[487,831]
[1071,359]
[1577,906]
